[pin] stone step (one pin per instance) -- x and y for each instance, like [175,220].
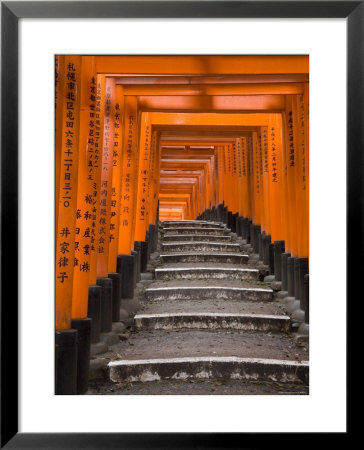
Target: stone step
[214,257]
[209,386]
[192,223]
[220,306]
[236,354]
[202,273]
[212,321]
[196,230]
[226,367]
[196,237]
[208,292]
[200,247]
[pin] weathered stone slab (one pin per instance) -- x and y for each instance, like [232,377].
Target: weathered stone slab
[192,223]
[195,237]
[208,367]
[196,230]
[212,321]
[215,257]
[200,247]
[202,273]
[209,292]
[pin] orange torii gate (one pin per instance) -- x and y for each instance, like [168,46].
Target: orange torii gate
[116,116]
[175,183]
[203,166]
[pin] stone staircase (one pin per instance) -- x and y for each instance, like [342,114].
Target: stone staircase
[206,317]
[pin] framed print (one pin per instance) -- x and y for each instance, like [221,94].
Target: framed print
[198,91]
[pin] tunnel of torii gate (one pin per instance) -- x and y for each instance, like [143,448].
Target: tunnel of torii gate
[143,139]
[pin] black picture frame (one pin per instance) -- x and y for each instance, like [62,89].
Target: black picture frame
[11,12]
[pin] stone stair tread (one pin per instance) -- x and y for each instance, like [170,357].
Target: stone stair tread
[200,387]
[204,253]
[209,284]
[213,321]
[194,237]
[211,243]
[205,273]
[207,246]
[206,265]
[192,223]
[173,230]
[159,344]
[212,306]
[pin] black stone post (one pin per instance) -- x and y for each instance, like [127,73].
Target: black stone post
[296,267]
[220,212]
[278,249]
[256,229]
[230,220]
[106,304]
[137,263]
[153,238]
[306,296]
[226,216]
[303,270]
[144,256]
[235,222]
[284,271]
[147,240]
[126,267]
[252,235]
[66,362]
[94,311]
[213,214]
[116,296]
[271,258]
[290,275]
[249,232]
[239,226]
[83,327]
[266,243]
[138,255]
[261,238]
